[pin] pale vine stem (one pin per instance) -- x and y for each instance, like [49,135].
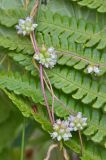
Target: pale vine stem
[50,150]
[81,142]
[23,141]
[41,77]
[65,154]
[51,116]
[52,92]
[33,40]
[50,89]
[80,137]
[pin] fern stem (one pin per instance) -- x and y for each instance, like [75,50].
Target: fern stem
[23,141]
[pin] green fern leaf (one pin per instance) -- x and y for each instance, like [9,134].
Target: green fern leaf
[71,29]
[71,81]
[93,4]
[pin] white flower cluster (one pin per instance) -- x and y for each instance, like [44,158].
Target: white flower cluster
[26,26]
[93,69]
[77,122]
[47,58]
[63,129]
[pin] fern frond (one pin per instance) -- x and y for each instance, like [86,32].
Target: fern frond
[68,29]
[21,105]
[100,5]
[80,86]
[4,110]
[11,40]
[80,59]
[13,83]
[21,85]
[24,60]
[40,115]
[11,17]
[91,151]
[10,121]
[84,88]
[5,4]
[73,144]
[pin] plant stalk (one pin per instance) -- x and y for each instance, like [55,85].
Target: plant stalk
[33,40]
[23,141]
[81,142]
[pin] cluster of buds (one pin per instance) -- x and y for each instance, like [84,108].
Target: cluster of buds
[93,69]
[63,129]
[77,122]
[26,26]
[46,57]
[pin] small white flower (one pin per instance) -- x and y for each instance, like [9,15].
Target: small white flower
[90,69]
[47,58]
[77,122]
[93,69]
[25,26]
[51,50]
[61,130]
[96,69]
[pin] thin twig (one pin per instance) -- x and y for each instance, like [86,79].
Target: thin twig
[50,150]
[23,141]
[65,154]
[52,93]
[44,93]
[50,89]
[34,9]
[81,142]
[33,40]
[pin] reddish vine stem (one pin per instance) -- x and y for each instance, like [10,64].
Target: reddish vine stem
[41,78]
[44,93]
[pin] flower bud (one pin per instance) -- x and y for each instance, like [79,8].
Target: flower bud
[61,130]
[26,26]
[47,58]
[77,122]
[93,69]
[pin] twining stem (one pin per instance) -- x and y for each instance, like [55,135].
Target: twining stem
[65,154]
[34,9]
[50,89]
[33,40]
[44,94]
[23,141]
[52,93]
[50,150]
[81,142]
